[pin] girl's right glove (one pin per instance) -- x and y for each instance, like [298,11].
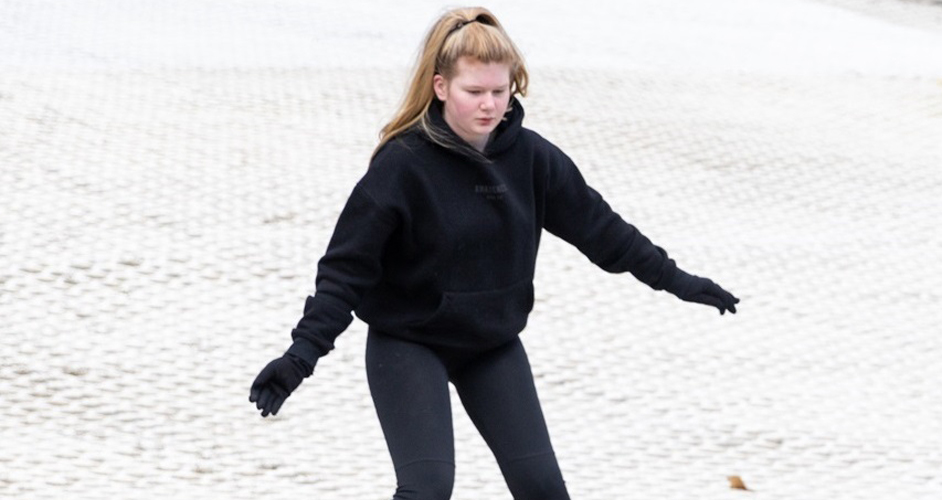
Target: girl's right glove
[691,288]
[281,377]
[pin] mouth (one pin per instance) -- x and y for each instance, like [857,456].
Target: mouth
[486,121]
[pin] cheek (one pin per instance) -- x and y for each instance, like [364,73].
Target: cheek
[502,104]
[466,106]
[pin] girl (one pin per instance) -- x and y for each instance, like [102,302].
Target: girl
[435,251]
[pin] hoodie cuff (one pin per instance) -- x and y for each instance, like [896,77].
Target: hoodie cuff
[680,283]
[305,351]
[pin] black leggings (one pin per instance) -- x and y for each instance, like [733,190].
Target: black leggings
[409,385]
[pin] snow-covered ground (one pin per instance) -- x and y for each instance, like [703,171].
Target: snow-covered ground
[170,172]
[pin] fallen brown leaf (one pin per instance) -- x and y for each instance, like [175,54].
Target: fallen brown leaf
[735,482]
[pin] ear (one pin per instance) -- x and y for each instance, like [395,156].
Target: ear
[440,85]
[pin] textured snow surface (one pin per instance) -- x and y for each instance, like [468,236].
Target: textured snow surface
[170,172]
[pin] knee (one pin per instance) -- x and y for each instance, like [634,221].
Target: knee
[543,488]
[427,480]
[538,478]
[554,489]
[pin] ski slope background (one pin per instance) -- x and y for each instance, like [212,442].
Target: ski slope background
[171,171]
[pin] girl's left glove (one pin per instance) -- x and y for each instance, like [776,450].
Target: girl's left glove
[691,288]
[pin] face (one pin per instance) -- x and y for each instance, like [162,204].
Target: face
[475,98]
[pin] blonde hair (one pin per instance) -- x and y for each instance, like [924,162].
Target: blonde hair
[473,32]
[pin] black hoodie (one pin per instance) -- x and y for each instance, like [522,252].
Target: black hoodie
[438,245]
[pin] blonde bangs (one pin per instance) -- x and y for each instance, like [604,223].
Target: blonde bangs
[479,41]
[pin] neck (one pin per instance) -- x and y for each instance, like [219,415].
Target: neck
[478,143]
[481,143]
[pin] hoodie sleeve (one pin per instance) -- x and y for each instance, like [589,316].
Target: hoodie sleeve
[577,213]
[350,266]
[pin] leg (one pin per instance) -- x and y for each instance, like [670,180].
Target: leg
[409,386]
[497,390]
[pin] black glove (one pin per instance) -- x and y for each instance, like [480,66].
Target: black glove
[692,288]
[281,377]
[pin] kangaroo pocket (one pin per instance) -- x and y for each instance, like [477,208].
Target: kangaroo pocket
[480,317]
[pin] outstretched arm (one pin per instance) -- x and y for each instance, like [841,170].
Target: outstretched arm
[350,266]
[578,214]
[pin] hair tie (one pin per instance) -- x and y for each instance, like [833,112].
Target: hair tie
[462,24]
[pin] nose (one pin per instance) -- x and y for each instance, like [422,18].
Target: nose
[488,103]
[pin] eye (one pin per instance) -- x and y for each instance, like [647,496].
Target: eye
[474,92]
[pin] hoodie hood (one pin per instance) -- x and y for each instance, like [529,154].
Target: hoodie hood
[503,137]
